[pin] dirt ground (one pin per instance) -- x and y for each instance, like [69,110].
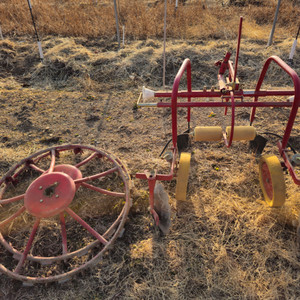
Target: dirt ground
[224,242]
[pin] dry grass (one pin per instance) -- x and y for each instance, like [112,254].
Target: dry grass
[96,18]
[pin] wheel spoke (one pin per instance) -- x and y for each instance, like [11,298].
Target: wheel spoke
[96,176]
[2,192]
[36,168]
[86,226]
[52,164]
[12,217]
[86,160]
[13,199]
[28,247]
[63,233]
[102,191]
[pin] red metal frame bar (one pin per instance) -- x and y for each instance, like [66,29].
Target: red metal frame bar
[296,101]
[186,65]
[288,163]
[215,94]
[228,144]
[227,104]
[238,49]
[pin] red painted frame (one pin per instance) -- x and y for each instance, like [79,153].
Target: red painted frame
[227,91]
[225,94]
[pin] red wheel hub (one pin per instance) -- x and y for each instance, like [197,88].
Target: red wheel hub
[266,177]
[70,170]
[49,195]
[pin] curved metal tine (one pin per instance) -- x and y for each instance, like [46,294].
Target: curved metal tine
[12,217]
[86,226]
[93,177]
[102,191]
[13,199]
[63,233]
[86,160]
[36,168]
[28,246]
[52,164]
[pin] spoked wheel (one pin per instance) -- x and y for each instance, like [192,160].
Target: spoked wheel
[272,180]
[182,176]
[60,210]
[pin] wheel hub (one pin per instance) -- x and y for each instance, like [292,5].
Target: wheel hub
[70,170]
[49,195]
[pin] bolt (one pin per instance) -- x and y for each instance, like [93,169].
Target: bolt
[40,187]
[56,196]
[41,200]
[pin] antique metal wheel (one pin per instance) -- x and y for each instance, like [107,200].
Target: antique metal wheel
[60,210]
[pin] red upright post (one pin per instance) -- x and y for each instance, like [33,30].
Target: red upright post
[238,49]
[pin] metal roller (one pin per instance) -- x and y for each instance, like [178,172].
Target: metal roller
[208,133]
[242,133]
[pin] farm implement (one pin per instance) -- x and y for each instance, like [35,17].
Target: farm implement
[231,97]
[58,189]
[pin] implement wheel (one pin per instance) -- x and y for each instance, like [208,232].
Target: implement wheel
[60,210]
[272,180]
[183,176]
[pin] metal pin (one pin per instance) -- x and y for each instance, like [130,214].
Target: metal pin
[41,200]
[40,187]
[56,196]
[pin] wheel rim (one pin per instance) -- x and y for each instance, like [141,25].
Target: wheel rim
[271,179]
[53,197]
[267,180]
[183,176]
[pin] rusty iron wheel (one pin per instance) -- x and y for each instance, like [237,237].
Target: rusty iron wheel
[51,188]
